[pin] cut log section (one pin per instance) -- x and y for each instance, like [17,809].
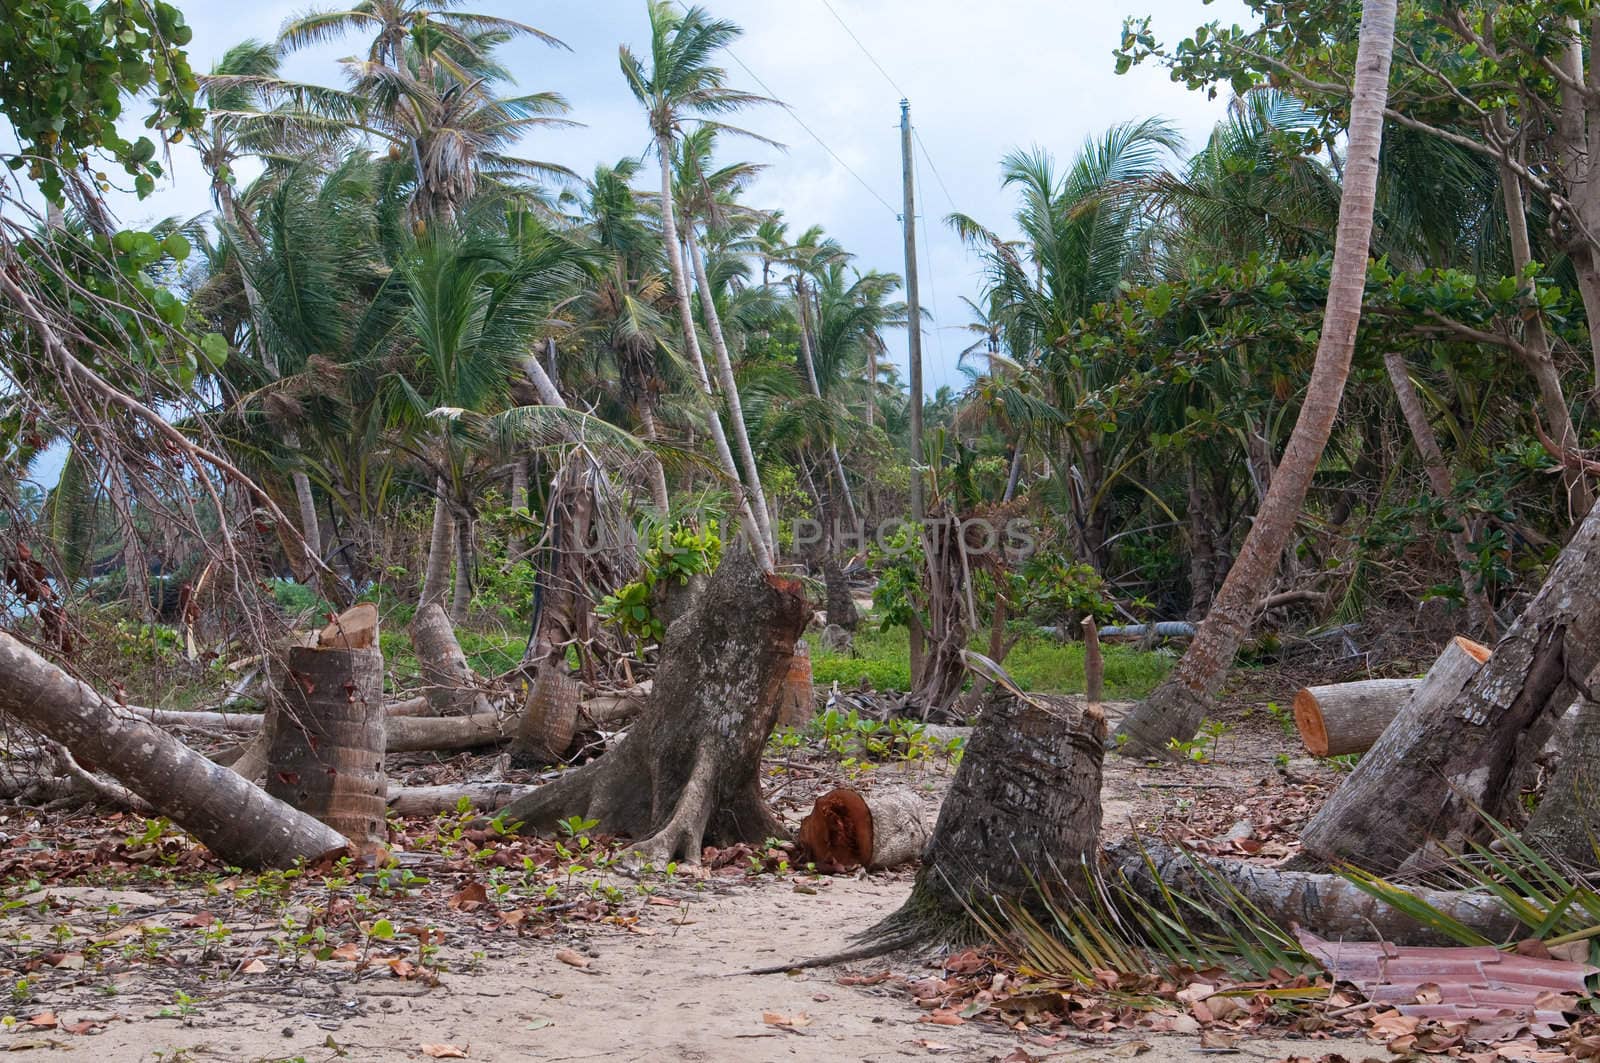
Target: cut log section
[847,829]
[1341,718]
[326,757]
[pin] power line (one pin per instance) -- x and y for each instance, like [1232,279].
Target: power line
[948,198]
[864,50]
[801,123]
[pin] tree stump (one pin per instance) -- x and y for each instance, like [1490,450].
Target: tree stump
[797,702]
[1025,803]
[1454,753]
[549,715]
[326,757]
[688,772]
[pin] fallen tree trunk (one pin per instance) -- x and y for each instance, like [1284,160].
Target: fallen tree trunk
[1324,903]
[1340,718]
[431,800]
[687,774]
[327,751]
[233,818]
[1446,757]
[1567,821]
[423,734]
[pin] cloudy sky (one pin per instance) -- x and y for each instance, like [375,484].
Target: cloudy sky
[983,78]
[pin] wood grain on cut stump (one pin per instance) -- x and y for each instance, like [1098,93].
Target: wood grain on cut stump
[1339,718]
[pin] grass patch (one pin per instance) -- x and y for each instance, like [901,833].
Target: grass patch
[1036,662]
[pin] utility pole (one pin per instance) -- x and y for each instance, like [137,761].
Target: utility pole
[914,359]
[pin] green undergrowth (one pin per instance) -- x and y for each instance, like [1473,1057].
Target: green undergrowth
[1036,663]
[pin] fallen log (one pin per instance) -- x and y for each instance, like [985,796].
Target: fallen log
[1339,718]
[847,829]
[233,818]
[422,734]
[1325,903]
[431,800]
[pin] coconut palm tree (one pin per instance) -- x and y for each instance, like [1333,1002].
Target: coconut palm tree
[394,23]
[1176,707]
[680,88]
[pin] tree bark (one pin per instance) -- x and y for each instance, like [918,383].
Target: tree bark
[451,686]
[236,820]
[1176,708]
[515,547]
[436,571]
[948,579]
[1480,614]
[658,473]
[461,601]
[691,344]
[1026,798]
[688,773]
[1567,821]
[1447,756]
[1324,903]
[327,753]
[730,387]
[841,605]
[1340,718]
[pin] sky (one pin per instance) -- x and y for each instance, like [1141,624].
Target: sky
[983,79]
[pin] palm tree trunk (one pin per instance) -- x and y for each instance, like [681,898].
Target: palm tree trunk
[462,600]
[1480,615]
[730,387]
[658,474]
[1176,708]
[691,344]
[436,572]
[519,502]
[816,393]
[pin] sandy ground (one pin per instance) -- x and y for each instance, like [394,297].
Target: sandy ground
[673,992]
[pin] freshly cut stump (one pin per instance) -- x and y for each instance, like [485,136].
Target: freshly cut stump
[847,829]
[1339,718]
[326,757]
[687,774]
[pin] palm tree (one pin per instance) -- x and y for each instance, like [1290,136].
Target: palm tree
[392,23]
[1177,706]
[682,86]
[1084,232]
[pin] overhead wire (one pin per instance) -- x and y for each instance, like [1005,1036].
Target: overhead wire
[801,123]
[864,49]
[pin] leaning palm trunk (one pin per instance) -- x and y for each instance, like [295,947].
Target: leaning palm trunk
[691,343]
[436,572]
[658,474]
[233,818]
[730,387]
[1178,705]
[1480,615]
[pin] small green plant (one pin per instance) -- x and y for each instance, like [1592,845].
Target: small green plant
[674,555]
[1284,717]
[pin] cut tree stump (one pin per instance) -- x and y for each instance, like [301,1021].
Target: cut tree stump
[798,701]
[1026,798]
[1340,718]
[326,757]
[1454,754]
[847,829]
[549,715]
[687,774]
[233,818]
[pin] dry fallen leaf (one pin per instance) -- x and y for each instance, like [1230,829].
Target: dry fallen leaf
[936,1047]
[402,968]
[942,1017]
[254,967]
[444,1051]
[774,1018]
[349,951]
[572,959]
[472,895]
[45,1020]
